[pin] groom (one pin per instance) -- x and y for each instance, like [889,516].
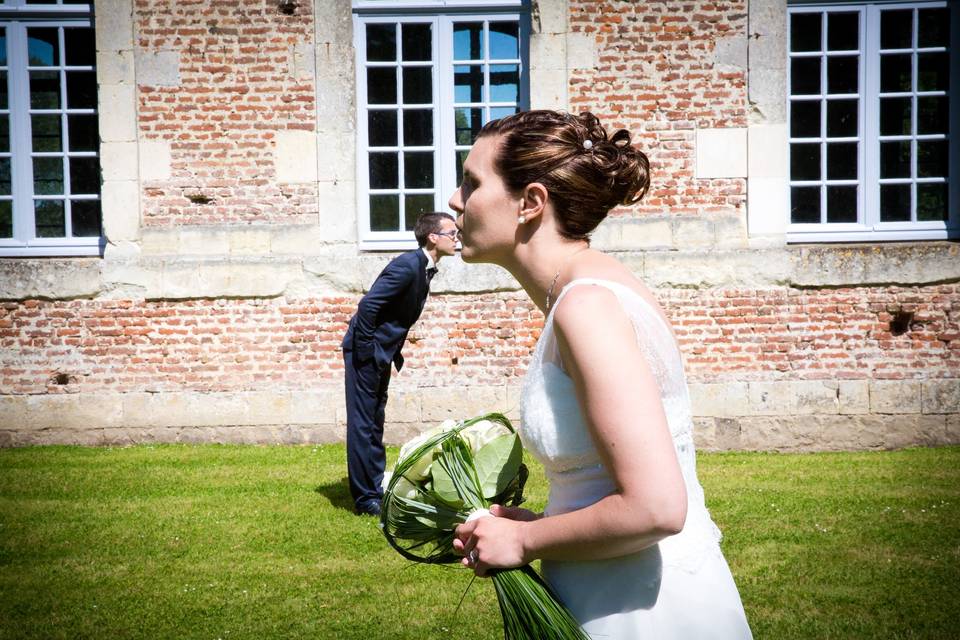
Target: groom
[374,339]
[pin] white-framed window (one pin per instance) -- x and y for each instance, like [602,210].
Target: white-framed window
[49,135]
[873,128]
[429,76]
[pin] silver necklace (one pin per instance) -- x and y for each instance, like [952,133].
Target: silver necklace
[557,274]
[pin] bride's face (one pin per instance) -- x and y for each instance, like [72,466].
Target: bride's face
[487,212]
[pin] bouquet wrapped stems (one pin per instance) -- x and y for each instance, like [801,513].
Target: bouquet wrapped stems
[447,474]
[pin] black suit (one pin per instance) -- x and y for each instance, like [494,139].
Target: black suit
[373,340]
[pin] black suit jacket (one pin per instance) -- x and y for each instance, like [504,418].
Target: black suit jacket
[385,314]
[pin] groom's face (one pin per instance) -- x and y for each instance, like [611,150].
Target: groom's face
[487,211]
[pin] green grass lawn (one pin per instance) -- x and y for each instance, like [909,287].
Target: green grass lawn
[260,542]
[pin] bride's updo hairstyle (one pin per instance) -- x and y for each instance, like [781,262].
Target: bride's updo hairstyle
[585,171]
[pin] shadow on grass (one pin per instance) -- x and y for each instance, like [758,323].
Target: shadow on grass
[338,493]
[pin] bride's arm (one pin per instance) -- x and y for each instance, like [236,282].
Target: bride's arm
[621,404]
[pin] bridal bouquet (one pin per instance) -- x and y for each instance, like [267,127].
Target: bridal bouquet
[444,476]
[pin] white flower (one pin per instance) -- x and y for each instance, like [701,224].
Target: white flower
[482,432]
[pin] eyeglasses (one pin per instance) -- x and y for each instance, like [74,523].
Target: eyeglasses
[450,234]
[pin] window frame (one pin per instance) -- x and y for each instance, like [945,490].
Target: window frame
[441,14]
[869,227]
[16,18]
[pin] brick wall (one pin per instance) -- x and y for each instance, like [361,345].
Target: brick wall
[658,75]
[220,109]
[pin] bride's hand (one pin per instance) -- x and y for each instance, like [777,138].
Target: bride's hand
[494,542]
[514,513]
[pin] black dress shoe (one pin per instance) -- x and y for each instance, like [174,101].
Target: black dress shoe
[371,509]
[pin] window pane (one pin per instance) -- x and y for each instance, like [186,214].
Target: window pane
[468,83]
[384,171]
[85,218]
[418,170]
[5,177]
[4,133]
[805,32]
[417,85]
[804,204]
[842,161]
[894,202]
[841,118]
[3,90]
[805,162]
[413,206]
[384,212]
[842,74]
[501,112]
[932,158]
[48,176]
[467,124]
[80,47]
[81,90]
[382,128]
[896,29]
[6,219]
[44,90]
[468,41]
[934,28]
[804,76]
[805,119]
[504,83]
[932,114]
[895,73]
[418,127]
[381,42]
[49,219]
[843,31]
[933,71]
[46,132]
[842,204]
[84,176]
[895,159]
[3,47]
[43,48]
[895,117]
[417,42]
[504,40]
[381,85]
[931,202]
[84,133]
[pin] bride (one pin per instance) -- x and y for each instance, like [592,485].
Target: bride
[625,540]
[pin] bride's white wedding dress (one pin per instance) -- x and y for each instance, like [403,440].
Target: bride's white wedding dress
[678,589]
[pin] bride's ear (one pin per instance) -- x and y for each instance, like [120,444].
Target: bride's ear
[533,201]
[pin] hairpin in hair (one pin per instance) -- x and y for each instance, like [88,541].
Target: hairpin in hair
[587,145]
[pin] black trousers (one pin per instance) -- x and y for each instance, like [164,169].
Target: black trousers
[366,394]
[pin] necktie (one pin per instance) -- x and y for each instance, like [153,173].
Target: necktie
[432,271]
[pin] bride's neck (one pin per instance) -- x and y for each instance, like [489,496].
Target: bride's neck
[536,264]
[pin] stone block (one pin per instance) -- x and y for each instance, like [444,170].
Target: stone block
[49,278]
[121,251]
[952,435]
[203,241]
[731,232]
[581,51]
[548,51]
[404,406]
[912,264]
[835,266]
[551,16]
[158,68]
[299,240]
[721,153]
[114,30]
[719,399]
[915,431]
[338,160]
[854,396]
[121,210]
[705,434]
[316,407]
[715,268]
[940,396]
[118,119]
[895,396]
[115,66]
[731,51]
[693,232]
[332,273]
[789,433]
[815,396]
[337,217]
[768,206]
[549,89]
[268,407]
[217,409]
[219,279]
[460,406]
[130,279]
[295,155]
[118,161]
[303,61]
[155,160]
[772,398]
[767,145]
[250,241]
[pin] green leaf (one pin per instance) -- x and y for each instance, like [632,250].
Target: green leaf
[443,485]
[497,464]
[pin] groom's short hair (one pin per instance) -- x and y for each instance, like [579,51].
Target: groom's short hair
[429,223]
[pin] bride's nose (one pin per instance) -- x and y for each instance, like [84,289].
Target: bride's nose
[455,202]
